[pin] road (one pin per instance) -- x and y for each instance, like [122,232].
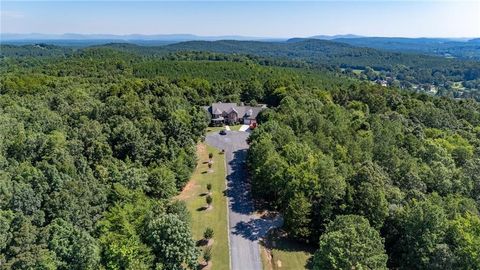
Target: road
[245,227]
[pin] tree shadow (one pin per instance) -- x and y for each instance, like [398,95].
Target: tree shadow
[309,263]
[202,208]
[203,194]
[278,239]
[201,243]
[204,172]
[256,228]
[238,188]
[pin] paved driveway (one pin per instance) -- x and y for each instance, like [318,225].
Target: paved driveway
[245,228]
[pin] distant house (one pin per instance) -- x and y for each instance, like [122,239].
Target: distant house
[232,113]
[383,83]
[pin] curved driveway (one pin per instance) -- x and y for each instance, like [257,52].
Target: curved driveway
[245,229]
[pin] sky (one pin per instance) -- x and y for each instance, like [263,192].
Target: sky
[268,18]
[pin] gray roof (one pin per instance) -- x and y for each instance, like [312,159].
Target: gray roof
[243,111]
[232,109]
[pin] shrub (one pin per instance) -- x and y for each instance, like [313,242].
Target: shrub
[208,233]
[209,200]
[207,254]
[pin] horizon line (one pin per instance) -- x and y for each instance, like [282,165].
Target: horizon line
[234,35]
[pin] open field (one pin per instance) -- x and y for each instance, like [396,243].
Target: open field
[194,195]
[458,86]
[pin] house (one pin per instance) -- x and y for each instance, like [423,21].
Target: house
[383,83]
[232,113]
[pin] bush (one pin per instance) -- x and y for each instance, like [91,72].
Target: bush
[209,200]
[210,155]
[209,187]
[207,254]
[208,233]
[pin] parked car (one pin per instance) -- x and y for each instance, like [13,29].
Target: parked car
[223,132]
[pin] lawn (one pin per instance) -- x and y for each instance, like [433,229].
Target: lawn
[215,218]
[214,129]
[282,254]
[217,129]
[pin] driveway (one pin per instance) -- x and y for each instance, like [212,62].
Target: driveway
[245,228]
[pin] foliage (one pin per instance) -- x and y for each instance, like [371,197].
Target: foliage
[209,199]
[208,233]
[84,150]
[350,243]
[171,242]
[207,254]
[95,142]
[403,161]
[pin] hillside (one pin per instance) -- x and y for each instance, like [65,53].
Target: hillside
[431,46]
[413,71]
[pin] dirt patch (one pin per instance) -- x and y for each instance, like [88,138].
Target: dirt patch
[204,266]
[192,184]
[187,190]
[267,256]
[210,242]
[202,151]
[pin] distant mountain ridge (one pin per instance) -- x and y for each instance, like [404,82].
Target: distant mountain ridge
[327,37]
[464,48]
[446,47]
[189,37]
[129,37]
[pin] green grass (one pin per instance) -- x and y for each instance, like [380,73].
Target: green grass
[235,127]
[285,254]
[217,129]
[458,86]
[355,71]
[215,218]
[214,129]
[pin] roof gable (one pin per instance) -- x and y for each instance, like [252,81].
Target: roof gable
[242,111]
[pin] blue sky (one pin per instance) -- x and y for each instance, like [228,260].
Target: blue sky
[251,18]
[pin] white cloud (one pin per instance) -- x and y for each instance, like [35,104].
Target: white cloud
[8,14]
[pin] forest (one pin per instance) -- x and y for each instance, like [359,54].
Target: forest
[370,59]
[383,178]
[94,146]
[96,142]
[458,48]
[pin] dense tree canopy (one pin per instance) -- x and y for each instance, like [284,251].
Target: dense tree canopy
[94,143]
[350,243]
[405,162]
